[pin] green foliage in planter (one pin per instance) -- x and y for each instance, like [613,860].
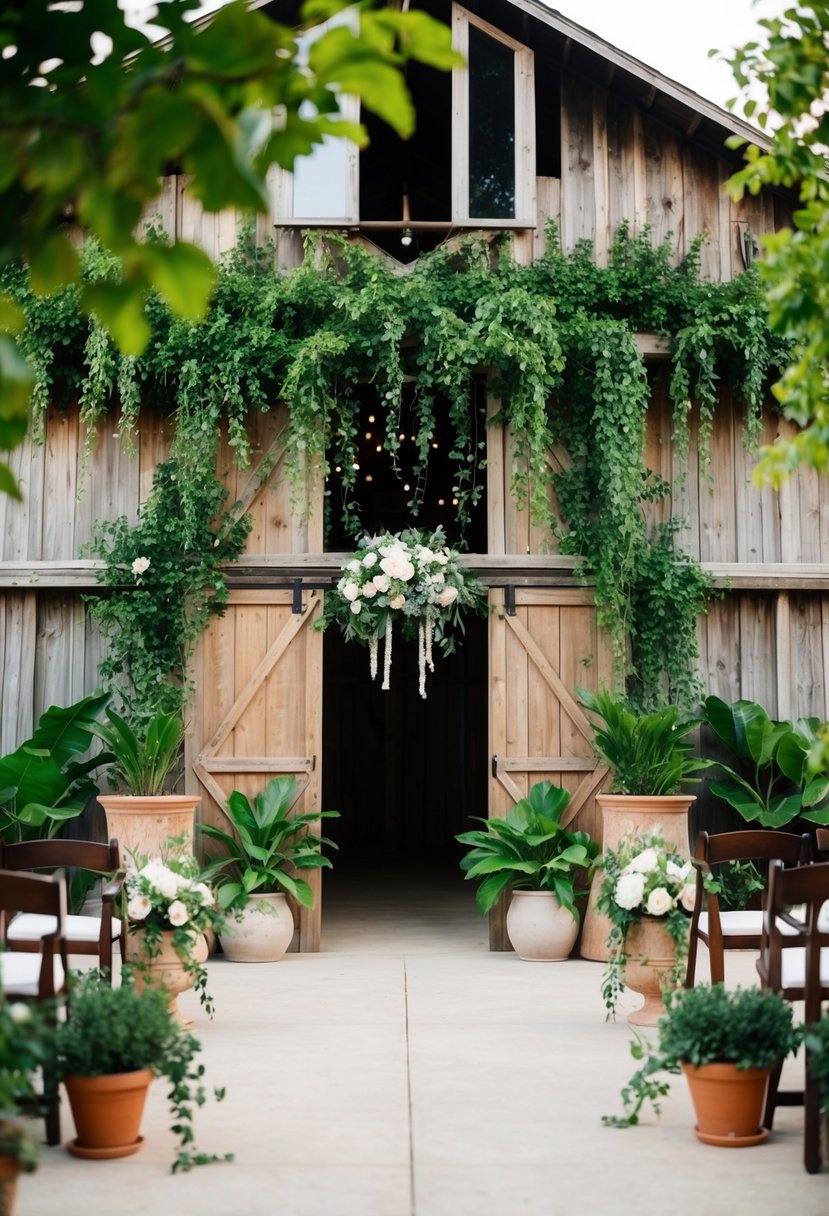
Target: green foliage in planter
[42,783]
[144,758]
[816,1039]
[555,338]
[528,850]
[165,583]
[114,1030]
[747,1027]
[774,783]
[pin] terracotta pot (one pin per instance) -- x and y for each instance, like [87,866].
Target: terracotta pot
[261,932]
[165,969]
[10,1171]
[141,825]
[649,968]
[107,1113]
[728,1102]
[538,928]
[623,814]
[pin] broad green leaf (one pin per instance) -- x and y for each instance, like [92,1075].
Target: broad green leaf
[120,308]
[54,264]
[184,276]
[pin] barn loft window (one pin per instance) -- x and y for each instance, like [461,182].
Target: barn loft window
[470,162]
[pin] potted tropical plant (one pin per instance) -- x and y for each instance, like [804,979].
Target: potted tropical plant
[170,908]
[108,1052]
[650,757]
[776,780]
[146,754]
[726,1042]
[255,876]
[647,895]
[532,855]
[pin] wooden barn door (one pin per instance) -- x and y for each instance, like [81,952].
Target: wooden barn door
[257,709]
[543,646]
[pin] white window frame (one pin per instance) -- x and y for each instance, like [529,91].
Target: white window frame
[525,201]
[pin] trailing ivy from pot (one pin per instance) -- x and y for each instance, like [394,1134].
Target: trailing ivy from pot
[643,879]
[411,578]
[168,895]
[530,850]
[267,844]
[749,1028]
[775,782]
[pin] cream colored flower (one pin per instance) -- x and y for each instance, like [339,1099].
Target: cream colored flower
[688,895]
[369,589]
[140,566]
[356,605]
[447,596]
[350,591]
[644,862]
[397,565]
[204,893]
[370,560]
[177,914]
[20,1013]
[397,602]
[165,881]
[353,566]
[382,582]
[139,907]
[659,902]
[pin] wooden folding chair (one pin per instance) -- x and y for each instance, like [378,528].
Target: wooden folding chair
[723,930]
[87,935]
[794,961]
[40,976]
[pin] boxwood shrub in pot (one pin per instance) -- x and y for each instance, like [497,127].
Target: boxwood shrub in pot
[531,854]
[725,1041]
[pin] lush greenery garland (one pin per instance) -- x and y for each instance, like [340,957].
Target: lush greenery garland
[556,338]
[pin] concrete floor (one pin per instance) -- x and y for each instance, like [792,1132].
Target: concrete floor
[407,1071]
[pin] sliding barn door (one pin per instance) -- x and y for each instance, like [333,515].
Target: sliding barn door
[542,647]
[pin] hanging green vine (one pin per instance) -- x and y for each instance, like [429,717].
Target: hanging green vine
[556,341]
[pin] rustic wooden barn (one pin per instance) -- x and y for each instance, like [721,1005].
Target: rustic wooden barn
[599,138]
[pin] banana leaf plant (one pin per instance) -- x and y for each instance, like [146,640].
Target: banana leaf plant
[41,784]
[266,844]
[774,783]
[528,850]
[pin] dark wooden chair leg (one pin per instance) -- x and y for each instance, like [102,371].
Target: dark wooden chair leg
[771,1096]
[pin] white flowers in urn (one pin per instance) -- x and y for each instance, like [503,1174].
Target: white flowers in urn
[412,577]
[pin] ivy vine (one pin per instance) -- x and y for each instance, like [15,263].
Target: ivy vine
[556,341]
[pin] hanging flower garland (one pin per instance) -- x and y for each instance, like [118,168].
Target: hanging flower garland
[413,578]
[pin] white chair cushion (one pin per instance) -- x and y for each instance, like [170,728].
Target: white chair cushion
[31,927]
[793,967]
[20,973]
[741,923]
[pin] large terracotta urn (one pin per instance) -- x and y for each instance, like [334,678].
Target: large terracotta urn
[650,968]
[141,825]
[624,814]
[162,967]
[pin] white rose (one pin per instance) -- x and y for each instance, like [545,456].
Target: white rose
[644,862]
[177,914]
[20,1013]
[353,566]
[138,907]
[370,560]
[629,890]
[204,892]
[397,565]
[438,579]
[440,558]
[356,605]
[140,566]
[688,896]
[350,591]
[659,902]
[382,582]
[162,878]
[674,871]
[425,555]
[447,596]
[369,589]
[397,602]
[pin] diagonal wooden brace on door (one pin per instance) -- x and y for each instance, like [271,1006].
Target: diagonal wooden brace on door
[595,774]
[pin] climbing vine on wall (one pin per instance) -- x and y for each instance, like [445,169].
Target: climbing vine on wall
[556,340]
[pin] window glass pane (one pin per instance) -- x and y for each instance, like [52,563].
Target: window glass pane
[319,181]
[491,127]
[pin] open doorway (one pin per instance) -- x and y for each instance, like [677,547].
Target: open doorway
[404,773]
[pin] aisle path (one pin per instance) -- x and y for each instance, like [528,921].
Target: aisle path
[406,1071]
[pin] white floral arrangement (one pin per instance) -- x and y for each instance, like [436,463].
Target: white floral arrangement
[167,897]
[409,577]
[643,878]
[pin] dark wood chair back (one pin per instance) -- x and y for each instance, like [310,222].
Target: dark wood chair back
[721,930]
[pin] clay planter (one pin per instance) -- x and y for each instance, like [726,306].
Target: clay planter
[107,1112]
[165,970]
[651,959]
[624,814]
[141,825]
[261,932]
[728,1102]
[10,1171]
[538,928]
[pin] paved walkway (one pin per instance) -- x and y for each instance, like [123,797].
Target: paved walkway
[406,1071]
